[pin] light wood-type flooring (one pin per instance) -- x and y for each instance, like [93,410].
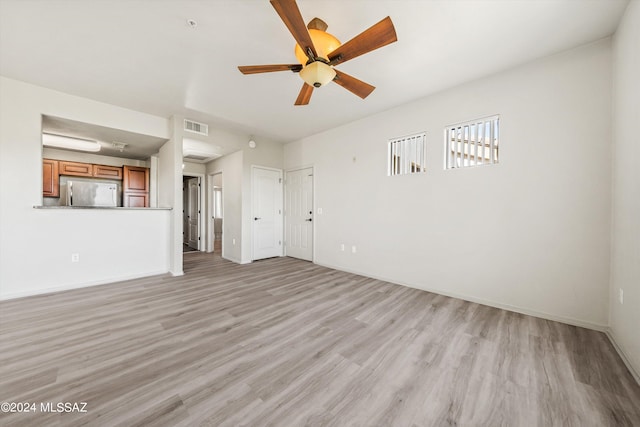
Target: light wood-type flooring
[285,342]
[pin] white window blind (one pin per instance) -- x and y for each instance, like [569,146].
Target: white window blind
[472,143]
[407,155]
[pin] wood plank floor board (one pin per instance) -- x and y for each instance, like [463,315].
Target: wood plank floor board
[283,342]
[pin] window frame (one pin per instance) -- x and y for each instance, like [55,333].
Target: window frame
[471,136]
[415,158]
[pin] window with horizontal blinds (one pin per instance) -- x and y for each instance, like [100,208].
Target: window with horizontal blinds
[472,143]
[407,155]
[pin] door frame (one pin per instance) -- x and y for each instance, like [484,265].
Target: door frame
[202,242]
[210,223]
[313,203]
[253,168]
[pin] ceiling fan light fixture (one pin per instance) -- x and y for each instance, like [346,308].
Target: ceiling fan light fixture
[318,52]
[324,43]
[317,74]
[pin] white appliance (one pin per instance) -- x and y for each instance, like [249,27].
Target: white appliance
[86,193]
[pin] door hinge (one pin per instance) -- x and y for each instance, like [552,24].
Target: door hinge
[279,242]
[279,180]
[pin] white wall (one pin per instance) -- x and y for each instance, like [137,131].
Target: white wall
[194,168]
[625,260]
[236,191]
[231,167]
[36,244]
[170,189]
[530,234]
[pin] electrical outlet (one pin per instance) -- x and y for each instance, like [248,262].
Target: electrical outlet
[342,247]
[75,257]
[621,295]
[353,249]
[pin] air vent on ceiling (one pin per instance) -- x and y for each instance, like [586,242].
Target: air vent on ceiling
[195,127]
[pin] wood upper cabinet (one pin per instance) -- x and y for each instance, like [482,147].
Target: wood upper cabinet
[135,187]
[50,178]
[110,172]
[76,169]
[90,170]
[136,178]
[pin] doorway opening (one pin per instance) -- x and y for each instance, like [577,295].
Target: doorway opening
[217,214]
[191,213]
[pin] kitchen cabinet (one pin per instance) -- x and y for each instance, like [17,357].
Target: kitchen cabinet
[136,178]
[50,178]
[135,200]
[109,172]
[76,169]
[135,186]
[90,170]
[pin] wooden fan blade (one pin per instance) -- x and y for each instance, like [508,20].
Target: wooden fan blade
[353,85]
[255,69]
[290,15]
[381,34]
[305,95]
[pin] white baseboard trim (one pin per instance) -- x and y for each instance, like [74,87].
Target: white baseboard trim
[634,373]
[522,310]
[53,289]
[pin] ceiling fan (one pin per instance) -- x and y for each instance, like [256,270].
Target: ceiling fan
[318,52]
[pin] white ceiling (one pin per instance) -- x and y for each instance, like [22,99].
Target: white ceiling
[141,54]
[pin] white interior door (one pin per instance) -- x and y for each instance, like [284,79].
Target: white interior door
[193,213]
[267,212]
[299,214]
